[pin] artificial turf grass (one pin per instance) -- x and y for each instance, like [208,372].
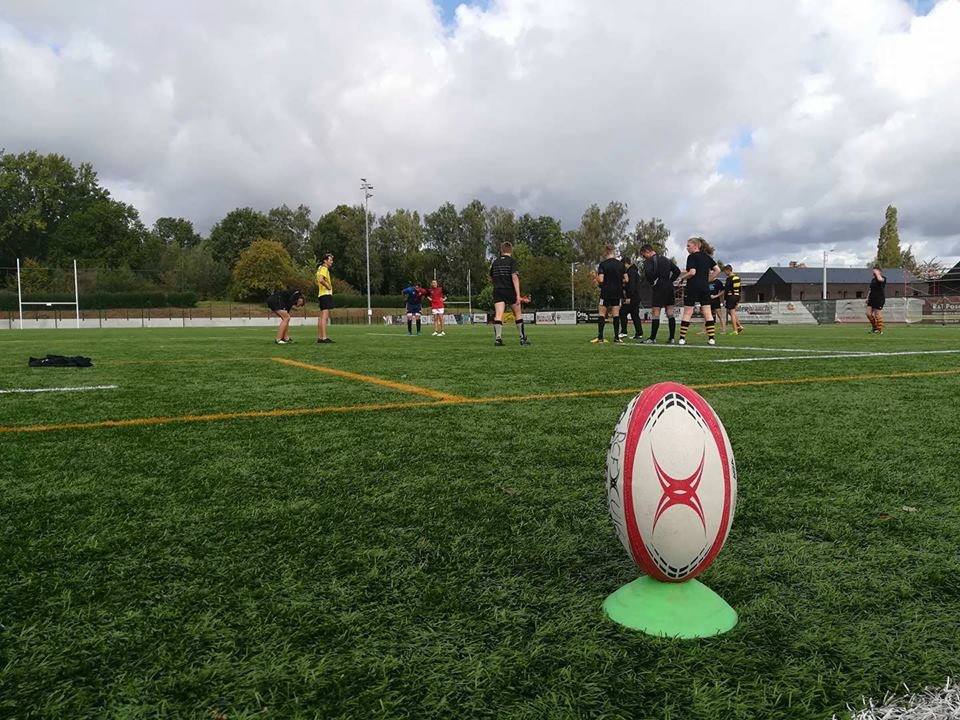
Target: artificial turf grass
[174,570]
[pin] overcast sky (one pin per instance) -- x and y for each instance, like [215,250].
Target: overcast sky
[776,129]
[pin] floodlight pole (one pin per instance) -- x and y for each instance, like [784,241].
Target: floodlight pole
[19,295]
[469,297]
[573,300]
[824,274]
[367,187]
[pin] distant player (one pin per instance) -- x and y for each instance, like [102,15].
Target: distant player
[661,272]
[876,299]
[281,302]
[413,295]
[701,271]
[611,275]
[506,291]
[438,297]
[325,297]
[731,292]
[717,288]
[631,301]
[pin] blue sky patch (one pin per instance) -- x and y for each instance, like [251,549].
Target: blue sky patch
[731,164]
[922,7]
[448,8]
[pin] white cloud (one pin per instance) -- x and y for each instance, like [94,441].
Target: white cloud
[546,105]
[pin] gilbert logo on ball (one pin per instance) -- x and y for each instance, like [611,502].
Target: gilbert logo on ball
[671,485]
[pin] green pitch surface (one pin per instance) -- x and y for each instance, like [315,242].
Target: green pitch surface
[227,535]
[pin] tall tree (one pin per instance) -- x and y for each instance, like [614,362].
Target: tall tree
[501,227]
[443,235]
[398,239]
[601,227]
[103,231]
[473,248]
[342,232]
[292,228]
[176,232]
[234,234]
[544,236]
[263,267]
[889,253]
[652,232]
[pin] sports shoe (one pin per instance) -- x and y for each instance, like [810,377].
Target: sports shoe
[739,331]
[679,342]
[711,341]
[650,341]
[638,337]
[598,341]
[435,333]
[524,341]
[623,335]
[280,342]
[498,342]
[441,334]
[618,340]
[670,341]
[324,341]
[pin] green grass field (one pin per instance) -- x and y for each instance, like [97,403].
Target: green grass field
[263,539]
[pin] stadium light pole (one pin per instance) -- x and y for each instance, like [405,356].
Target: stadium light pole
[573,299]
[367,194]
[825,253]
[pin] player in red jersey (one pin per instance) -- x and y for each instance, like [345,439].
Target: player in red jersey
[437,297]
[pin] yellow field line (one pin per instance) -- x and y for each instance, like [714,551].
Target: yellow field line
[295,412]
[400,387]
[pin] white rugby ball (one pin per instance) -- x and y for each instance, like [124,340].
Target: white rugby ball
[671,482]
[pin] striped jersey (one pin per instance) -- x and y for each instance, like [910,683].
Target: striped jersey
[733,285]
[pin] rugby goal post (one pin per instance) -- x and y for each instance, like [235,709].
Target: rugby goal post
[75,303]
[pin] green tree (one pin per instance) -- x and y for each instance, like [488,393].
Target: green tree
[398,239]
[501,227]
[177,232]
[104,232]
[37,194]
[600,227]
[443,235]
[472,254]
[198,270]
[545,279]
[341,232]
[544,236]
[235,232]
[652,232]
[292,228]
[889,253]
[263,267]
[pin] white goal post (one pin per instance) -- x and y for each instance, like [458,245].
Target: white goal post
[75,303]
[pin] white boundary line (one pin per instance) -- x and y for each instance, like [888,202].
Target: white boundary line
[839,355]
[749,347]
[59,389]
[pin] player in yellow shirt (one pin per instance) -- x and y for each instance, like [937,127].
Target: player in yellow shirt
[325,288]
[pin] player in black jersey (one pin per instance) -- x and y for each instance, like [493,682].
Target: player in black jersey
[732,298]
[506,291]
[661,272]
[876,299]
[611,275]
[631,301]
[281,302]
[701,271]
[716,302]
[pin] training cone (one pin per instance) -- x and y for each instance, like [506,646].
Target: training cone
[684,610]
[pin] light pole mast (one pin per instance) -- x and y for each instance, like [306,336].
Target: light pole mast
[367,194]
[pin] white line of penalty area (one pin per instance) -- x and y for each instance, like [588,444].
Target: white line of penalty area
[838,355]
[60,389]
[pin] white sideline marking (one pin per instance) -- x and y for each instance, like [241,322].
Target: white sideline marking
[60,389]
[748,347]
[839,355]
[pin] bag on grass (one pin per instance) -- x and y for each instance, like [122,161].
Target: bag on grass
[61,361]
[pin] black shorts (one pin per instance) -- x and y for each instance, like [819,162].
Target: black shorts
[876,303]
[414,310]
[696,296]
[664,296]
[275,306]
[732,303]
[505,296]
[611,300]
[325,302]
[715,305]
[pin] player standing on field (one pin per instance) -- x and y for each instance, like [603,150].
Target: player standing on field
[437,297]
[413,294]
[325,297]
[610,278]
[876,299]
[506,291]
[701,271]
[631,301]
[661,272]
[732,296]
[281,302]
[716,302]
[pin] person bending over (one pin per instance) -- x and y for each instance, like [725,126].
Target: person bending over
[281,302]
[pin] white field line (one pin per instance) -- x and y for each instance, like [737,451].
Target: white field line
[748,347]
[839,355]
[59,389]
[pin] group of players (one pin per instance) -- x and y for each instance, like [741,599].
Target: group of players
[619,283]
[414,295]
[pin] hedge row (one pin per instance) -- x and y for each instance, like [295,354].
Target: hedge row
[108,300]
[389,301]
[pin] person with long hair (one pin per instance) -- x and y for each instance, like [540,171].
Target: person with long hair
[281,302]
[701,271]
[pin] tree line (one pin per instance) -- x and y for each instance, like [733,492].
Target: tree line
[52,212]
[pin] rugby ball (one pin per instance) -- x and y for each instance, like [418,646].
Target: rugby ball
[671,482]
